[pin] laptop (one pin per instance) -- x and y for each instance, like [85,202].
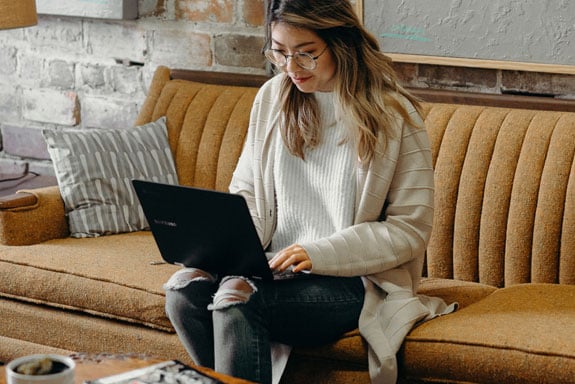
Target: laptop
[204,229]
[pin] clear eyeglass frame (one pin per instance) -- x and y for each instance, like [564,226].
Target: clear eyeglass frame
[304,60]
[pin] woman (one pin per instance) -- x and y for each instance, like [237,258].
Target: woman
[338,177]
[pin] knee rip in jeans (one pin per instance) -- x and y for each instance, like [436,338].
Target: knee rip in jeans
[182,278]
[233,290]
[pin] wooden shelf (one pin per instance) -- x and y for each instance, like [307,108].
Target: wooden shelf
[479,63]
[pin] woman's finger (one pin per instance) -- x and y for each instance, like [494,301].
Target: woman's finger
[294,256]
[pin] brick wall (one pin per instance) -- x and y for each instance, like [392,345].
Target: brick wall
[73,72]
[491,81]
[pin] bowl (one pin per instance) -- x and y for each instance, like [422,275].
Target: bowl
[63,369]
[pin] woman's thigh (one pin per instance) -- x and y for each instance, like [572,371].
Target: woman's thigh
[311,310]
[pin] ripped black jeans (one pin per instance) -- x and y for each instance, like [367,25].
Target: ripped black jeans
[228,324]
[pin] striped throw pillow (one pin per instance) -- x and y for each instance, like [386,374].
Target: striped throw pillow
[94,169]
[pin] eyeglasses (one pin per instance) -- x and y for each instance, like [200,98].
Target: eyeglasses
[302,59]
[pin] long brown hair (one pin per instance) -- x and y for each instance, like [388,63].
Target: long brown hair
[366,85]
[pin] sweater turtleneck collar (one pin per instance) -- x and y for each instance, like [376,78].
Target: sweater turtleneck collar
[326,104]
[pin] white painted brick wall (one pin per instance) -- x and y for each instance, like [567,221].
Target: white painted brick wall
[9,103]
[105,112]
[115,40]
[180,47]
[8,60]
[24,141]
[51,106]
[94,73]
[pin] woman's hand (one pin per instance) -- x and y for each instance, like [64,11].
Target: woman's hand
[294,256]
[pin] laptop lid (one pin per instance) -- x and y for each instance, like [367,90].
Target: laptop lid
[204,229]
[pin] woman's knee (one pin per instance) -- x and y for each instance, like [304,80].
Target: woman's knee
[233,290]
[183,277]
[187,289]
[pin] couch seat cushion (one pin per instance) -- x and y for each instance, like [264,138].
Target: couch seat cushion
[520,334]
[461,292]
[113,276]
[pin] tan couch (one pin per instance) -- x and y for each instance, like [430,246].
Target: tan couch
[503,246]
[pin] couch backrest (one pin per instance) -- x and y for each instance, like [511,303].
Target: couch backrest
[206,123]
[505,195]
[505,178]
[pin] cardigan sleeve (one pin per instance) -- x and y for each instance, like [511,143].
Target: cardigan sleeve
[252,176]
[242,182]
[395,213]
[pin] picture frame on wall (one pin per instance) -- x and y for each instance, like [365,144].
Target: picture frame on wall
[358,8]
[98,9]
[474,34]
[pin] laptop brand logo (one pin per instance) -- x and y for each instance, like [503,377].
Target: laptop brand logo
[166,223]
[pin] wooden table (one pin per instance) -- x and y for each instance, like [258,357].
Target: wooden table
[93,366]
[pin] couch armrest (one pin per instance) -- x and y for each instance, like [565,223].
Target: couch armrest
[32,216]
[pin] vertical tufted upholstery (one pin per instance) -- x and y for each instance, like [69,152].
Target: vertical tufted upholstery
[505,195]
[206,123]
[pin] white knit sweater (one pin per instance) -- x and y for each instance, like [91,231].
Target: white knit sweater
[315,196]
